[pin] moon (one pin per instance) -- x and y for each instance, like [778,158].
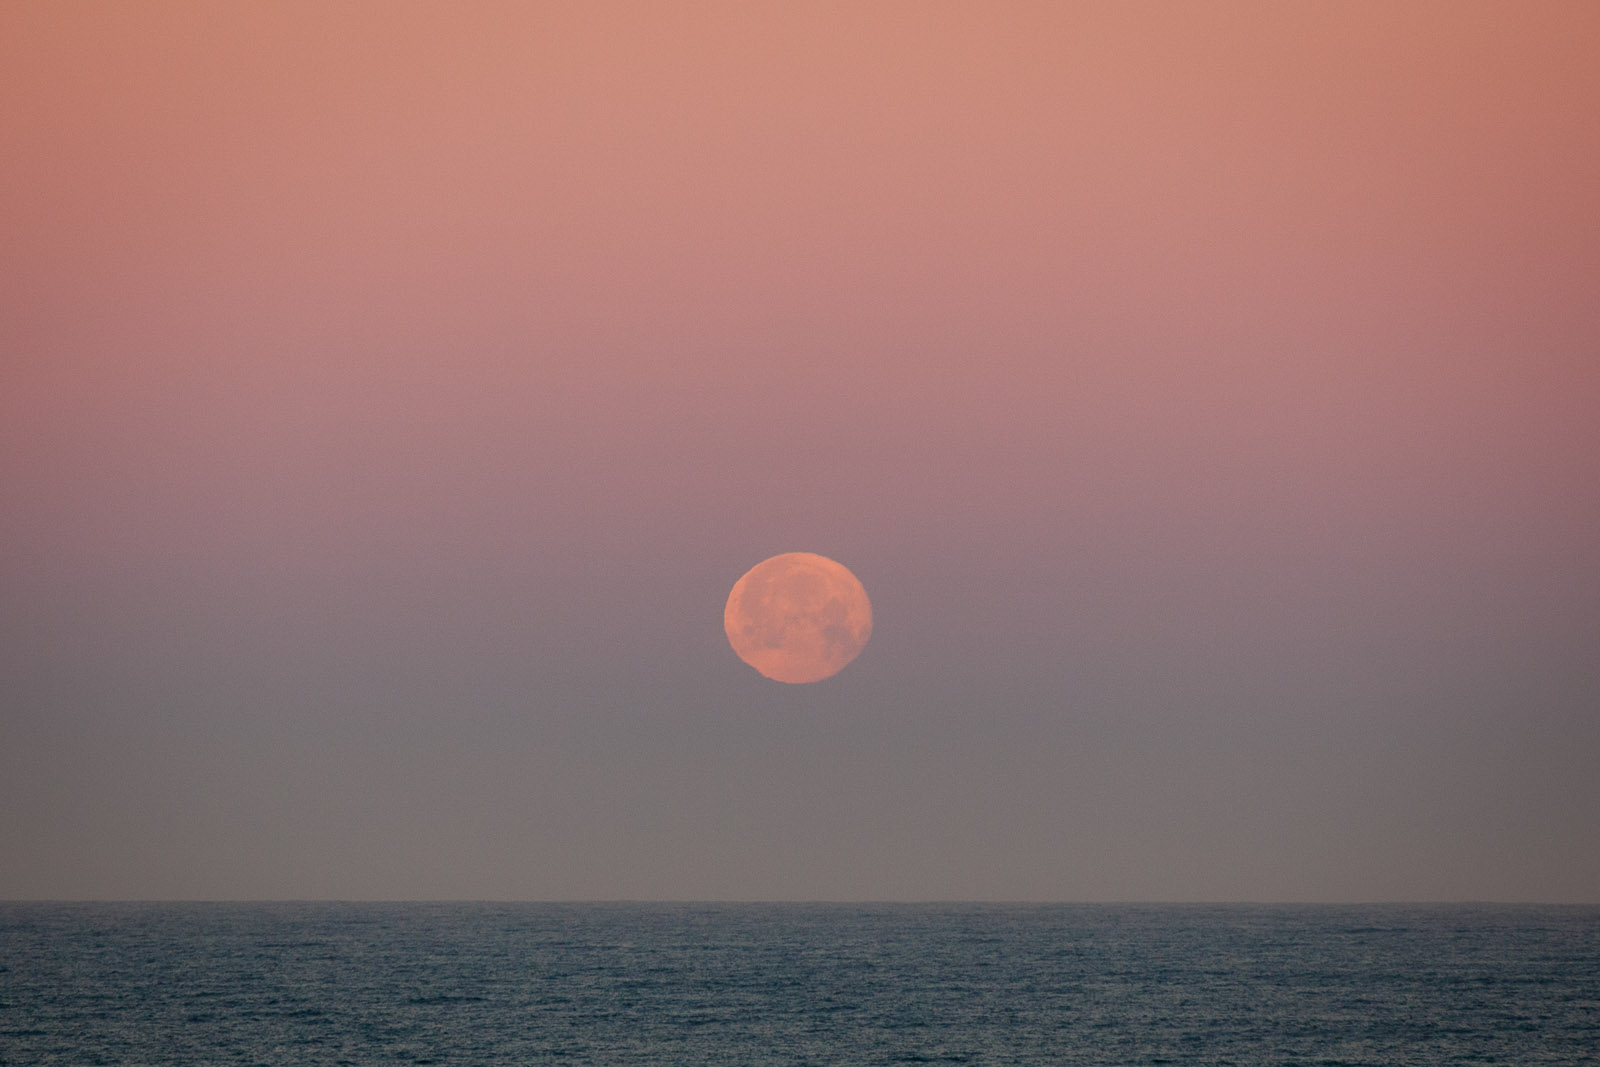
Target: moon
[798,617]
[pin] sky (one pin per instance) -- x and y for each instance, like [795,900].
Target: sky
[1207,396]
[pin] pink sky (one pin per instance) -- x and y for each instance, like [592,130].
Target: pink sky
[1206,394]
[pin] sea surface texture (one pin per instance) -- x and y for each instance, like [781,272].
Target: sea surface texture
[758,984]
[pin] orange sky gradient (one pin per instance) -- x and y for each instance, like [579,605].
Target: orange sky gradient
[1206,395]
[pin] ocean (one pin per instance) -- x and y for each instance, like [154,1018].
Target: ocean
[825,984]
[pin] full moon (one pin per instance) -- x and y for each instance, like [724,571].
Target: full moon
[798,617]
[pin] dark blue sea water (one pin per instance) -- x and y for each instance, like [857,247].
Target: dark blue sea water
[756,984]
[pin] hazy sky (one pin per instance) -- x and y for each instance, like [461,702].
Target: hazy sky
[1208,396]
